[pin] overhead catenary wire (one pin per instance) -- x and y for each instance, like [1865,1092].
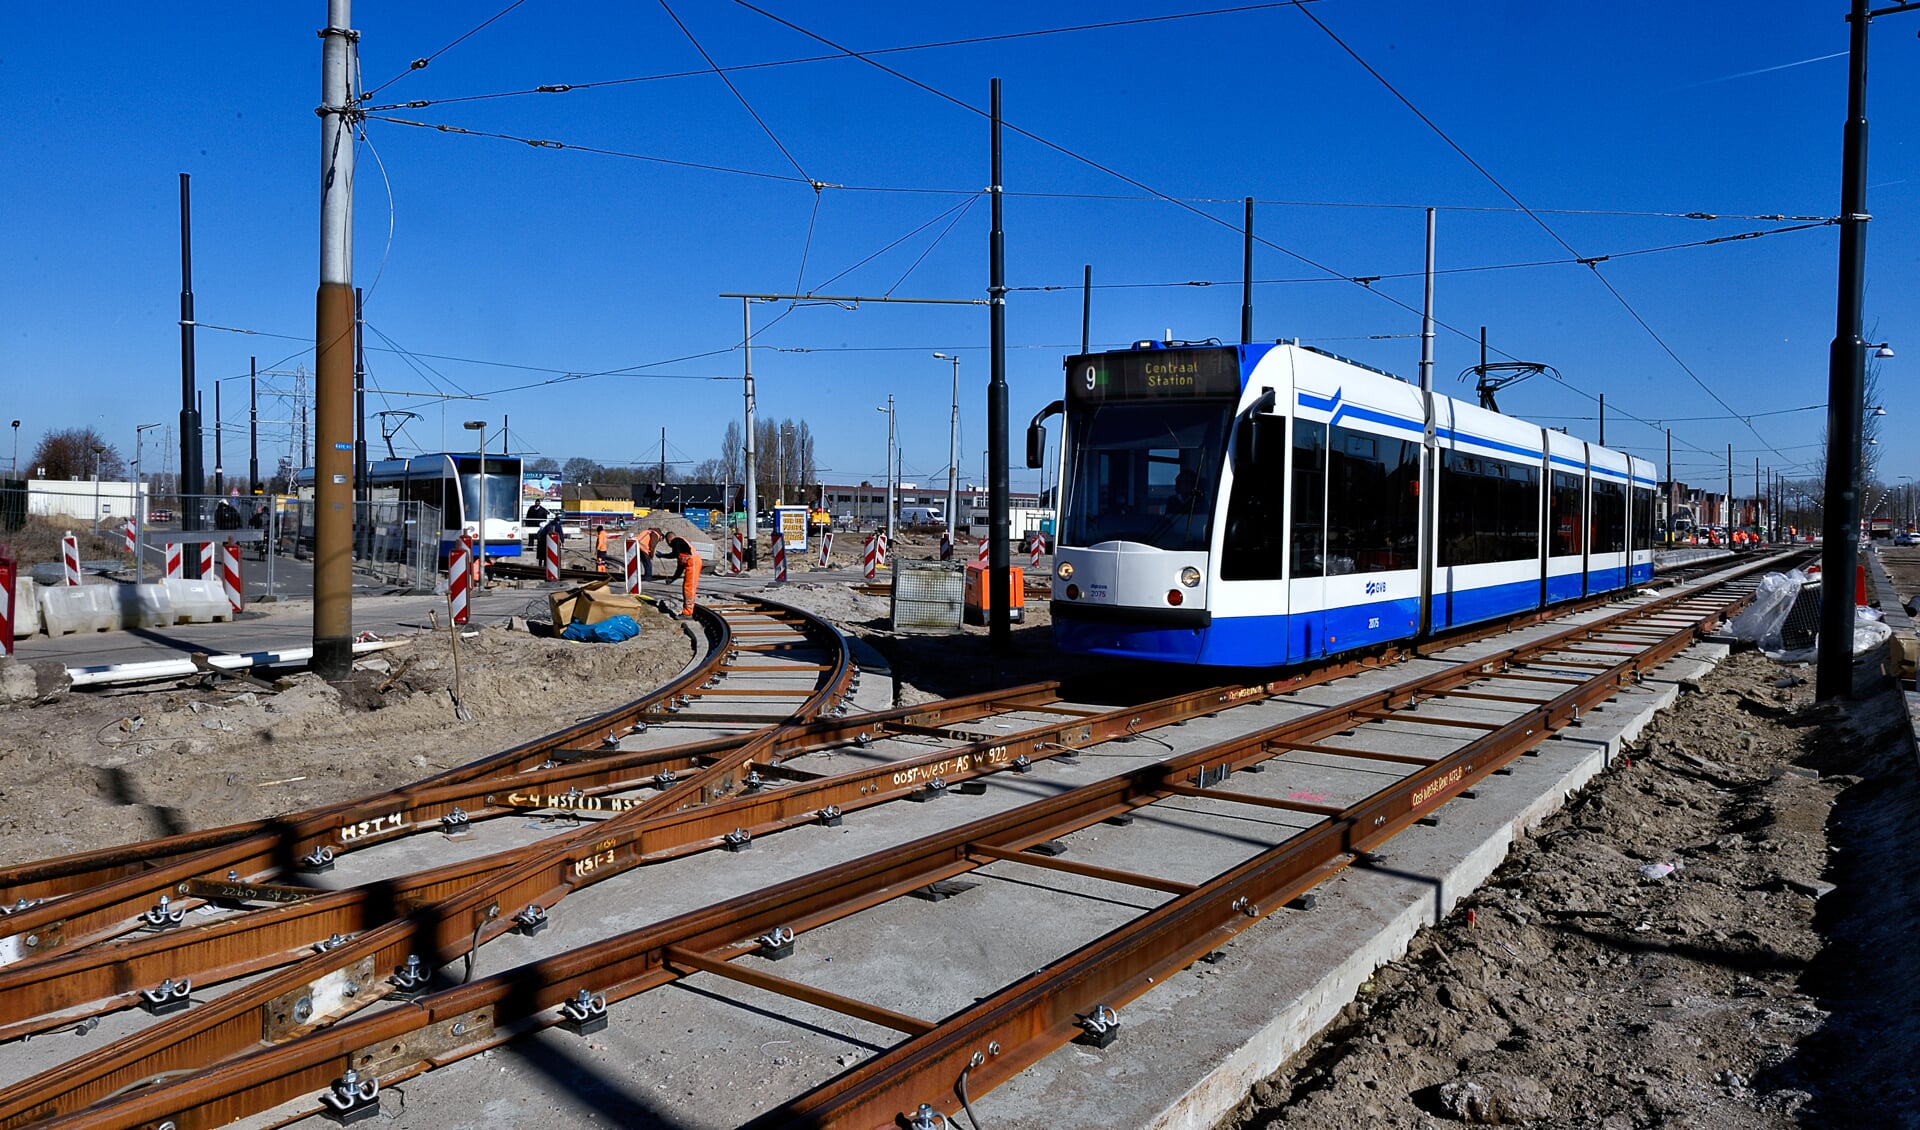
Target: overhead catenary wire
[1591,263]
[422,63]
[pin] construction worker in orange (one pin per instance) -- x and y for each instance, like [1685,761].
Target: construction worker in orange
[600,548]
[688,574]
[648,541]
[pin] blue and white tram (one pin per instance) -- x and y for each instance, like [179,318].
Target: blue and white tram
[451,484]
[1261,505]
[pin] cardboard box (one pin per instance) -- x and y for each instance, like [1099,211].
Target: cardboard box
[592,603]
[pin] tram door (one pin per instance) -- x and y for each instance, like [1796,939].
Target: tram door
[1307,543]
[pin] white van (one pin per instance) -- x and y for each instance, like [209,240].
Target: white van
[922,516]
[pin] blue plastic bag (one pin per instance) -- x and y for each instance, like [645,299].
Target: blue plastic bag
[611,630]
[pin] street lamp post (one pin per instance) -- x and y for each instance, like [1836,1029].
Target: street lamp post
[890,479]
[1846,381]
[479,428]
[139,508]
[953,449]
[97,451]
[16,449]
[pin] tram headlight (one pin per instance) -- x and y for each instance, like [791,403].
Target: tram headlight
[1066,570]
[1190,577]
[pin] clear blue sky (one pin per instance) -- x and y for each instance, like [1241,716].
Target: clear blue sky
[576,262]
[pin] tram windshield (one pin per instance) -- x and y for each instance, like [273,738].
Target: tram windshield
[1145,473]
[503,497]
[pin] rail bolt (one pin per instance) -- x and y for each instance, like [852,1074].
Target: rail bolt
[163,917]
[1099,1027]
[456,823]
[662,780]
[934,790]
[776,943]
[831,816]
[927,1118]
[319,859]
[585,1014]
[1023,764]
[737,840]
[351,1099]
[171,996]
[411,977]
[530,921]
[755,782]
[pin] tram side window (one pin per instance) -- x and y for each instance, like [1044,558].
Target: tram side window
[1375,526]
[1568,515]
[1489,510]
[1609,517]
[431,491]
[1254,546]
[1642,518]
[1309,539]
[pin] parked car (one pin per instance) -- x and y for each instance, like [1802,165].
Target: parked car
[1903,538]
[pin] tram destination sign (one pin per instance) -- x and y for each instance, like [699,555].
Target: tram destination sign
[1154,374]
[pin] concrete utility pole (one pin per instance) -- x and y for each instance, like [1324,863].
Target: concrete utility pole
[999,554]
[891,478]
[333,349]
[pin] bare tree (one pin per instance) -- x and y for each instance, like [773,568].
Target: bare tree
[76,453]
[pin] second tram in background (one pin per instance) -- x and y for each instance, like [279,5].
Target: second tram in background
[1260,505]
[449,483]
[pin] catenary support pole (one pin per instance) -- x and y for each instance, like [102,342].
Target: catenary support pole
[1246,279]
[1086,307]
[253,424]
[192,479]
[1429,469]
[750,473]
[333,348]
[1603,419]
[999,558]
[1846,388]
[219,449]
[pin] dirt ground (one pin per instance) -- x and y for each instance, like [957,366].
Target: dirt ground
[95,767]
[1719,936]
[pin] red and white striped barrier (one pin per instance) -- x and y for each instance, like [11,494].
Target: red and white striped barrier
[870,559]
[779,556]
[70,558]
[1038,545]
[826,549]
[633,565]
[209,561]
[457,567]
[982,555]
[551,543]
[946,545]
[132,543]
[176,562]
[737,552]
[886,547]
[230,576]
[7,585]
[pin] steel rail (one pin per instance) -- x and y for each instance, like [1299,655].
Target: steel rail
[106,908]
[118,1070]
[83,870]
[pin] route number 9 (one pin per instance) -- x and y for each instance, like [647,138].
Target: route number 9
[1090,378]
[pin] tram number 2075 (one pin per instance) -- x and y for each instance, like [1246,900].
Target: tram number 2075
[1374,587]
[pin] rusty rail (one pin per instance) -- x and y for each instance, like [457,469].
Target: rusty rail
[644,958]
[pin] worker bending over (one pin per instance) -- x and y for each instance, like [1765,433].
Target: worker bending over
[688,573]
